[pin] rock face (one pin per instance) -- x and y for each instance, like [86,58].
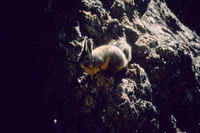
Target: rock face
[186,11]
[158,92]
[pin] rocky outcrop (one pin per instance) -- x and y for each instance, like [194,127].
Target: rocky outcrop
[160,89]
[187,13]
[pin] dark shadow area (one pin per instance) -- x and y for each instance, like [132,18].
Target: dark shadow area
[187,11]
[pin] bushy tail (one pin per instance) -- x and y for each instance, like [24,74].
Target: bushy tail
[125,47]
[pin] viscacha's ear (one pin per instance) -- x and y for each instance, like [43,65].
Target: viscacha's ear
[88,47]
[87,50]
[85,44]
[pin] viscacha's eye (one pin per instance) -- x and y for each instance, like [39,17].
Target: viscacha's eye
[87,63]
[90,66]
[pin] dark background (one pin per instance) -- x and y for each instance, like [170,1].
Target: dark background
[29,36]
[188,12]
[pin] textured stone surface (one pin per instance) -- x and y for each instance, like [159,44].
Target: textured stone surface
[160,89]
